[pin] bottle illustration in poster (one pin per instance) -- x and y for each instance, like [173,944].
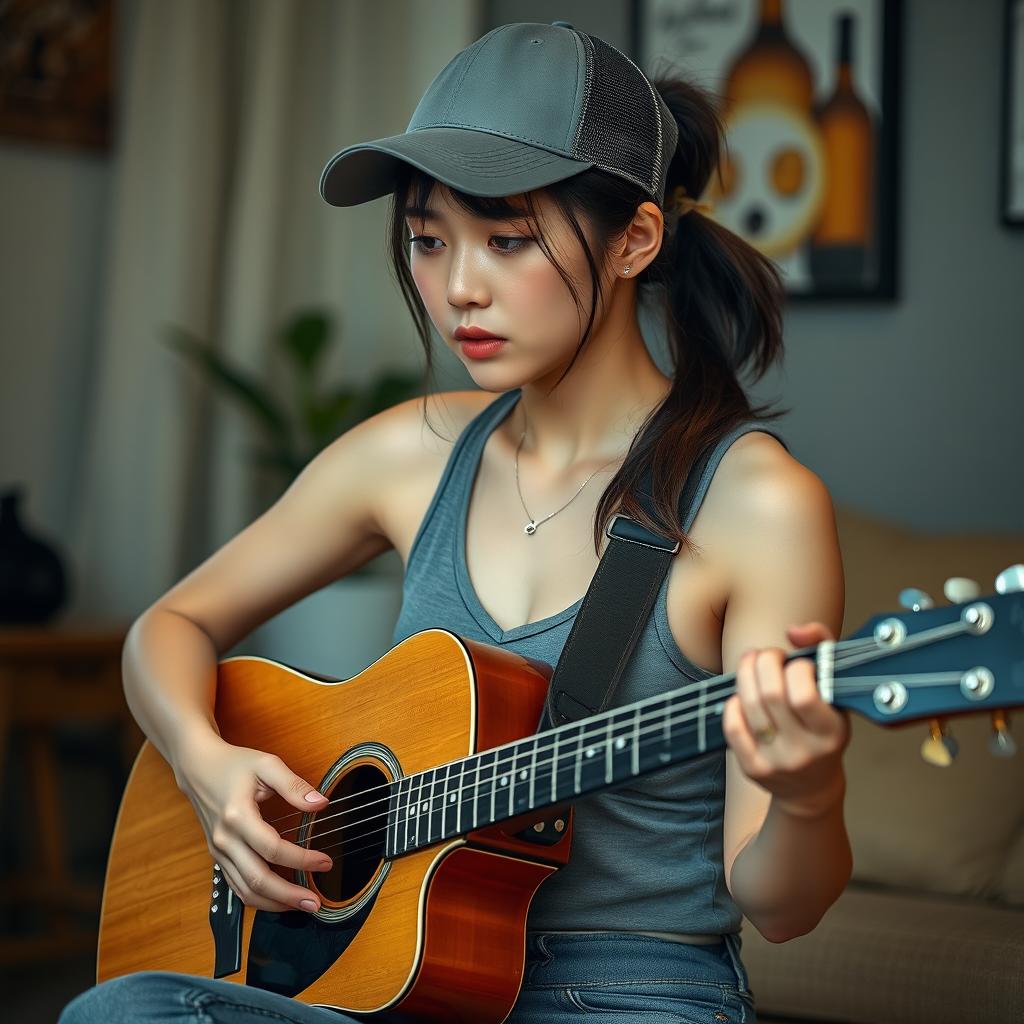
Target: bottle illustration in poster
[841,241]
[796,179]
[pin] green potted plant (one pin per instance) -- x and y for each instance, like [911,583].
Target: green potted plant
[295,428]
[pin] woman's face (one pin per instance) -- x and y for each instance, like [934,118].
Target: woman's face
[493,274]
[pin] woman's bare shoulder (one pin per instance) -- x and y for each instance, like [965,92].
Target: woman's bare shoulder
[413,444]
[759,477]
[762,500]
[418,428]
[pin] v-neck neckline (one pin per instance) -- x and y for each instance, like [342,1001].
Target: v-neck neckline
[466,588]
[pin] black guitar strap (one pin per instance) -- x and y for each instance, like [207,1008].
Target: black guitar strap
[614,610]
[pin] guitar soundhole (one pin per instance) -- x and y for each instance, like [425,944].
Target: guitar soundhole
[352,832]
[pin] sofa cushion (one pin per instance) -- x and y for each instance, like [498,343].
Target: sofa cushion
[893,955]
[1010,886]
[945,830]
[911,824]
[881,558]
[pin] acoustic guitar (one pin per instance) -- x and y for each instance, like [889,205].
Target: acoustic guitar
[448,810]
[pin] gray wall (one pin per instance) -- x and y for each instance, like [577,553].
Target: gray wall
[910,409]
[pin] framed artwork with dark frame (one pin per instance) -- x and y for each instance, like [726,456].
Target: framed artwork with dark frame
[1011,150]
[56,66]
[808,91]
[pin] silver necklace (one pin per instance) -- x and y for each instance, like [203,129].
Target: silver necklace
[531,527]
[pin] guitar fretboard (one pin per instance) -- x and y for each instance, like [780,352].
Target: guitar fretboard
[554,766]
[925,676]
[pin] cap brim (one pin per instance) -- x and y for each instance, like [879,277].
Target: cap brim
[474,162]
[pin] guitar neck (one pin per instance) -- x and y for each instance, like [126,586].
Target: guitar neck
[933,666]
[557,765]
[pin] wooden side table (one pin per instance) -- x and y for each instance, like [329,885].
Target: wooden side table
[51,675]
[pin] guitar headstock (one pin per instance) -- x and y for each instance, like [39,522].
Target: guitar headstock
[928,663]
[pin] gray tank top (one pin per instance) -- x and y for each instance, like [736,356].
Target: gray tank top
[646,856]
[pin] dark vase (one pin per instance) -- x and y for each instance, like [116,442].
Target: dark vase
[33,583]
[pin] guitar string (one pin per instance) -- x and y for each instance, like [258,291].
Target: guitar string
[421,781]
[499,765]
[848,653]
[494,779]
[463,788]
[382,829]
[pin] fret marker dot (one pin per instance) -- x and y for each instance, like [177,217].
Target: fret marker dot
[451,799]
[591,751]
[620,743]
[423,808]
[412,811]
[523,774]
[504,780]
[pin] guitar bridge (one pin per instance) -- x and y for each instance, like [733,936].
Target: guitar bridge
[226,925]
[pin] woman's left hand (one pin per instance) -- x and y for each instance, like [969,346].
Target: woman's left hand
[785,736]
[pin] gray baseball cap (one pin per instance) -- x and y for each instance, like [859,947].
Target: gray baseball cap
[525,105]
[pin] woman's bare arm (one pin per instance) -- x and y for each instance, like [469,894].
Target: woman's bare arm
[786,851]
[323,527]
[326,524]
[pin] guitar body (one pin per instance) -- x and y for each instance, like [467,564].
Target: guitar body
[437,933]
[449,809]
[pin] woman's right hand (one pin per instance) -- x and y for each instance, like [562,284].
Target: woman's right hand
[226,784]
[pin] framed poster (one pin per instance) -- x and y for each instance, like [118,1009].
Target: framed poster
[56,69]
[808,92]
[1011,189]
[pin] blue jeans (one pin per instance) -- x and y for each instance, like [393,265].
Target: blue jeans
[625,979]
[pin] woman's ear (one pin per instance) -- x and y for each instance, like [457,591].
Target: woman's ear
[642,239]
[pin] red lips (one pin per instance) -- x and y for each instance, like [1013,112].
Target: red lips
[475,334]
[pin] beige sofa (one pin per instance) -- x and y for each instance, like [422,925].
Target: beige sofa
[931,928]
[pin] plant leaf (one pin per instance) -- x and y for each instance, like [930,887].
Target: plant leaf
[390,388]
[330,416]
[281,462]
[306,338]
[235,383]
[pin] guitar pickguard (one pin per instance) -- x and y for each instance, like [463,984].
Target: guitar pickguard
[289,951]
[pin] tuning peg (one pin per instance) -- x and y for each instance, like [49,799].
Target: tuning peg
[1001,743]
[1010,580]
[914,599]
[941,747]
[959,589]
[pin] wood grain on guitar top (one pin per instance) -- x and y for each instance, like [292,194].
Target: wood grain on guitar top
[449,918]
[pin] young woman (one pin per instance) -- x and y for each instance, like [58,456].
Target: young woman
[541,191]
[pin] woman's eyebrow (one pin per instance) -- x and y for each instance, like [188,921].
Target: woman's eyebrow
[429,213]
[423,213]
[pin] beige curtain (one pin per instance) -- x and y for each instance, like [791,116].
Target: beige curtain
[229,110]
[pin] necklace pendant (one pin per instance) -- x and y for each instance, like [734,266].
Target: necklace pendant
[530,527]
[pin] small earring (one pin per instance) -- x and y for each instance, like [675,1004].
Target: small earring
[627,269]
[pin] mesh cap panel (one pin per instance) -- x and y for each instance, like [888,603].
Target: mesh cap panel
[624,126]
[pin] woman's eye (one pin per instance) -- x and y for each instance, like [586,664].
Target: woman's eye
[418,240]
[518,242]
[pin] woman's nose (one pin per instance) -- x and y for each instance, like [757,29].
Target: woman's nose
[466,281]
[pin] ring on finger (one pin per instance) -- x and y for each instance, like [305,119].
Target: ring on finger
[765,735]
